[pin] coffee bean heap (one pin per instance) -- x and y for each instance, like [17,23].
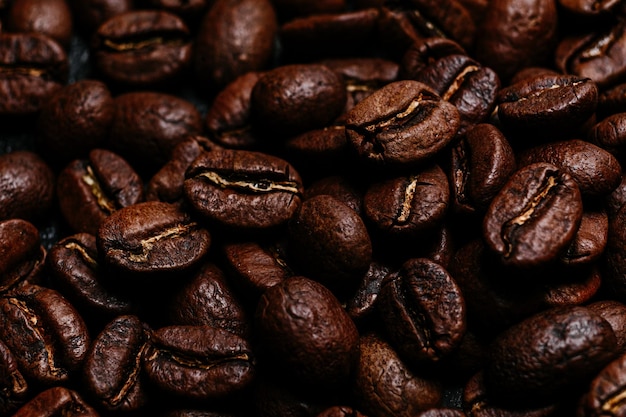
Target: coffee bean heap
[312,208]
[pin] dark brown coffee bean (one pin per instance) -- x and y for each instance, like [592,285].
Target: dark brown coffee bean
[424,52]
[383,382]
[513,35]
[542,103]
[151,237]
[112,370]
[610,133]
[26,186]
[292,99]
[235,37]
[363,76]
[199,362]
[477,401]
[77,270]
[442,412]
[49,17]
[207,299]
[613,312]
[57,401]
[402,124]
[22,253]
[95,12]
[597,55]
[167,184]
[462,81]
[257,266]
[365,298]
[307,333]
[45,333]
[589,8]
[328,35]
[408,205]
[590,240]
[330,242]
[612,100]
[148,125]
[596,171]
[243,189]
[542,357]
[142,48]
[13,387]
[34,66]
[340,187]
[228,120]
[90,190]
[615,254]
[535,215]
[605,392]
[423,310]
[482,161]
[75,120]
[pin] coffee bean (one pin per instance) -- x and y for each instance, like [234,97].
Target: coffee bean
[142,48]
[57,400]
[22,254]
[151,237]
[534,216]
[401,125]
[14,387]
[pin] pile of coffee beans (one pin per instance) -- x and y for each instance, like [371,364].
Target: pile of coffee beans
[312,208]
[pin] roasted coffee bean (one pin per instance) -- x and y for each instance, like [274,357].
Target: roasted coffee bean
[228,120]
[148,125]
[330,243]
[534,217]
[329,35]
[589,8]
[383,394]
[291,99]
[49,17]
[408,205]
[596,171]
[112,370]
[477,401]
[423,310]
[540,104]
[22,253]
[513,35]
[464,82]
[610,133]
[167,184]
[13,388]
[199,362]
[45,333]
[93,13]
[243,189]
[207,299]
[442,412]
[481,163]
[612,100]
[424,52]
[26,186]
[613,312]
[235,37]
[541,358]
[307,334]
[256,266]
[598,56]
[615,279]
[590,240]
[401,125]
[32,67]
[75,120]
[365,298]
[152,237]
[339,187]
[605,391]
[77,270]
[142,48]
[363,76]
[90,190]
[57,401]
